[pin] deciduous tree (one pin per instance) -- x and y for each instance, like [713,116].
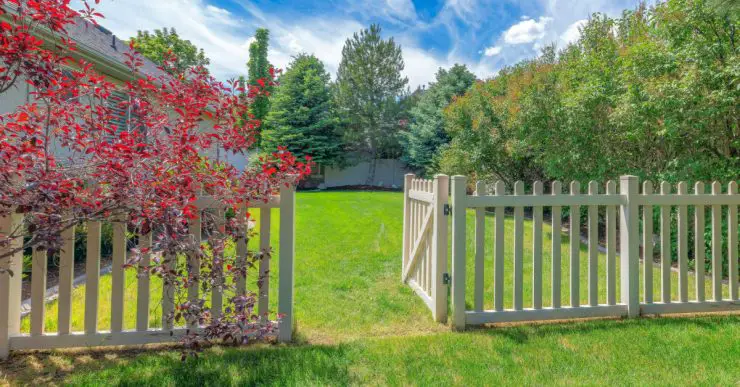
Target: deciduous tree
[64,159]
[161,44]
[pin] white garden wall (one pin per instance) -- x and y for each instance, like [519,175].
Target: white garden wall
[389,174]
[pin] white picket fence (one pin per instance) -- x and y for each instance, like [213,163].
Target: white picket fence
[623,209]
[11,337]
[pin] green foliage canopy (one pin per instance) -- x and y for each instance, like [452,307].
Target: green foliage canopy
[260,69]
[426,132]
[156,46]
[368,88]
[302,115]
[653,93]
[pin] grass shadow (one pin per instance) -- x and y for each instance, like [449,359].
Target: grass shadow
[521,333]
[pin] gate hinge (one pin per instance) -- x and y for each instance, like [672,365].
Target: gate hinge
[448,210]
[446,279]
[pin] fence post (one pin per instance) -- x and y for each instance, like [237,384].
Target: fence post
[629,240]
[459,193]
[287,253]
[10,286]
[439,252]
[406,222]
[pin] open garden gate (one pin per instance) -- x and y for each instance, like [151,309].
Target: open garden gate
[425,241]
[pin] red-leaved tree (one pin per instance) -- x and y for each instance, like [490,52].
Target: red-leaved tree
[66,159]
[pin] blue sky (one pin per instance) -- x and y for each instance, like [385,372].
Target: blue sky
[483,34]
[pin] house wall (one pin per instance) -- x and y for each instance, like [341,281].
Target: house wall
[389,173]
[14,97]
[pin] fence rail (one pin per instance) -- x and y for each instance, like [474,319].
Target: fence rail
[616,212]
[11,337]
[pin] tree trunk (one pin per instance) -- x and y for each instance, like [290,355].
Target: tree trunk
[371,172]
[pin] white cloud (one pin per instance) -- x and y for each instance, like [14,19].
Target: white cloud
[493,51]
[248,43]
[219,32]
[573,32]
[225,34]
[403,9]
[462,8]
[527,31]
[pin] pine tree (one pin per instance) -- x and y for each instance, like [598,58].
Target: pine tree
[369,86]
[302,113]
[259,68]
[426,132]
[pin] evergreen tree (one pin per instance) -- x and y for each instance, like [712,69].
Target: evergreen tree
[259,68]
[426,132]
[369,86]
[302,113]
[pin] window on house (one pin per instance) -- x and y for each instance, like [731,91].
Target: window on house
[120,112]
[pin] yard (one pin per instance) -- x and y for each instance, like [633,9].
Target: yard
[357,323]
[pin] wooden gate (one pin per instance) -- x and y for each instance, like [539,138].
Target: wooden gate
[425,241]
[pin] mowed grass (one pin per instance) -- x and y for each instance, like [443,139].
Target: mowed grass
[357,324]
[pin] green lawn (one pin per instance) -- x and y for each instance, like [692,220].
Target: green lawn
[358,324]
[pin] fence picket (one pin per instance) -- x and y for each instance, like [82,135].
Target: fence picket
[699,248]
[498,259]
[407,227]
[168,293]
[92,274]
[194,228]
[665,247]
[716,245]
[217,299]
[286,284]
[242,249]
[117,277]
[593,247]
[66,279]
[557,189]
[10,286]
[611,247]
[575,244]
[518,249]
[430,241]
[38,290]
[480,235]
[537,250]
[683,250]
[142,291]
[732,245]
[459,196]
[647,245]
[414,223]
[439,252]
[264,289]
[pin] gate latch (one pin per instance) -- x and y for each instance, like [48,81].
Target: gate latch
[446,279]
[448,210]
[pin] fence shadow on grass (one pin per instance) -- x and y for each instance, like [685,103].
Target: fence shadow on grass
[521,333]
[306,364]
[259,365]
